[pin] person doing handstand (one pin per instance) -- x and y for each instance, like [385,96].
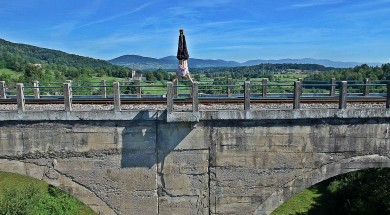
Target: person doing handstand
[182,56]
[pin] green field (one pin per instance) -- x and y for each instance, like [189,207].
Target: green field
[24,195]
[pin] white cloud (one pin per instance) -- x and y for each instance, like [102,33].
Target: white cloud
[316,3]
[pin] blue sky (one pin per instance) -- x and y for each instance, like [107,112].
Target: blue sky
[240,30]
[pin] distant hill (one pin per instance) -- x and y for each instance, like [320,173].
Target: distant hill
[324,62]
[170,62]
[47,65]
[34,54]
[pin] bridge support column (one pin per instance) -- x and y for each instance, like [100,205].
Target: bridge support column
[117,97]
[332,87]
[170,95]
[103,87]
[2,90]
[20,97]
[67,97]
[247,95]
[297,94]
[343,95]
[367,83]
[264,87]
[195,99]
[36,90]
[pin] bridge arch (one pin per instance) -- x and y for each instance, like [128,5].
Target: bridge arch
[53,177]
[315,176]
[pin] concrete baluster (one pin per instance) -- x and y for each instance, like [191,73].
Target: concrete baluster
[388,95]
[71,91]
[138,88]
[195,98]
[264,87]
[36,90]
[229,87]
[175,89]
[20,98]
[117,97]
[343,95]
[301,80]
[170,95]
[103,86]
[2,90]
[367,83]
[332,87]
[297,94]
[68,97]
[247,95]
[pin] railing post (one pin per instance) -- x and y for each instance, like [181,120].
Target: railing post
[175,89]
[367,83]
[170,95]
[229,87]
[195,99]
[20,97]
[67,97]
[138,88]
[71,91]
[247,95]
[103,87]
[343,95]
[388,95]
[297,95]
[332,87]
[301,80]
[264,87]
[2,90]
[36,90]
[117,96]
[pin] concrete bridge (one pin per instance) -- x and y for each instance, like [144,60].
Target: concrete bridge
[206,162]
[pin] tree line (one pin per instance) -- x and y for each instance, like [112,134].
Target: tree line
[357,73]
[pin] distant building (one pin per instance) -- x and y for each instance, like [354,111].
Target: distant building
[37,65]
[137,76]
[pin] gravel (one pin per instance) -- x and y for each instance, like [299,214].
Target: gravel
[84,107]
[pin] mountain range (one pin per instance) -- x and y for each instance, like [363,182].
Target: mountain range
[170,62]
[35,54]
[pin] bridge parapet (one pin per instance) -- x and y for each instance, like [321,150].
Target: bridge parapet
[249,93]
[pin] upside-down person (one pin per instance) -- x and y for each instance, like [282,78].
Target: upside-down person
[182,56]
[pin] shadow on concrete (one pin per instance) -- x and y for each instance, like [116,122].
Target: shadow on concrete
[146,143]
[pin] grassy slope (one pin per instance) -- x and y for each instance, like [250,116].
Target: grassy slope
[16,190]
[311,201]
[300,203]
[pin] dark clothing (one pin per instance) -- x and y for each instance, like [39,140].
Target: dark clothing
[182,52]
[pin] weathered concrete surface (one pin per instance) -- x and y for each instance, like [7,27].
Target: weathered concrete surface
[230,162]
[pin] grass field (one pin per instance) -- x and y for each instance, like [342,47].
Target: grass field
[24,195]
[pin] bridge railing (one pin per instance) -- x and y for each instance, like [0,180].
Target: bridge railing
[226,87]
[245,91]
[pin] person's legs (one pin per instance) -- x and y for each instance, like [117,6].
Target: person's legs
[189,78]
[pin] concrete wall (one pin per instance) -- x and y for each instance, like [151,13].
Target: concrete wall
[210,163]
